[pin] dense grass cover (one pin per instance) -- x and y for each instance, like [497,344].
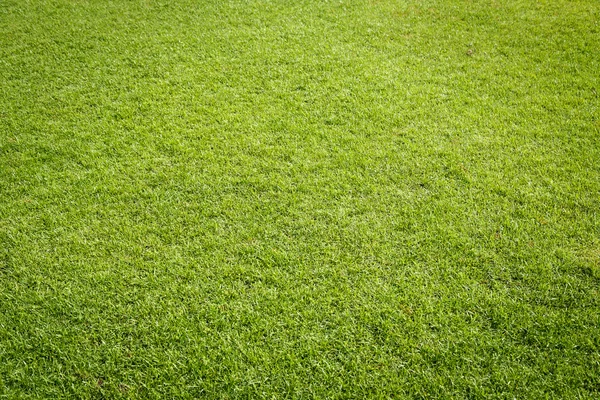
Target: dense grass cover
[309,199]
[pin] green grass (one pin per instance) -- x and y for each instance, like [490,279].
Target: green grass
[308,199]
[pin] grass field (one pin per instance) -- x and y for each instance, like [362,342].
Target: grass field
[309,199]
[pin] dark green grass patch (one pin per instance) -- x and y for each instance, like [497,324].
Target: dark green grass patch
[311,199]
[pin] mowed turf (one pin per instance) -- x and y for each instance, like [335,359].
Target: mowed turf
[308,199]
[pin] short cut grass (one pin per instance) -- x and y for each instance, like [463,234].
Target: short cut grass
[309,199]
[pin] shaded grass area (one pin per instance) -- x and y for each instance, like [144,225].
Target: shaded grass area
[255,199]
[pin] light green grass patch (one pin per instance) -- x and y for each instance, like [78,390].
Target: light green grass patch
[324,199]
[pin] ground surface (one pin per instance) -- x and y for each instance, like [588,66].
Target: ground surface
[310,199]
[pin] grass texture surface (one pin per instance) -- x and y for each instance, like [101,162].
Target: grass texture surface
[312,199]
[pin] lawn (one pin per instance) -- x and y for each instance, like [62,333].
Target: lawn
[311,199]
